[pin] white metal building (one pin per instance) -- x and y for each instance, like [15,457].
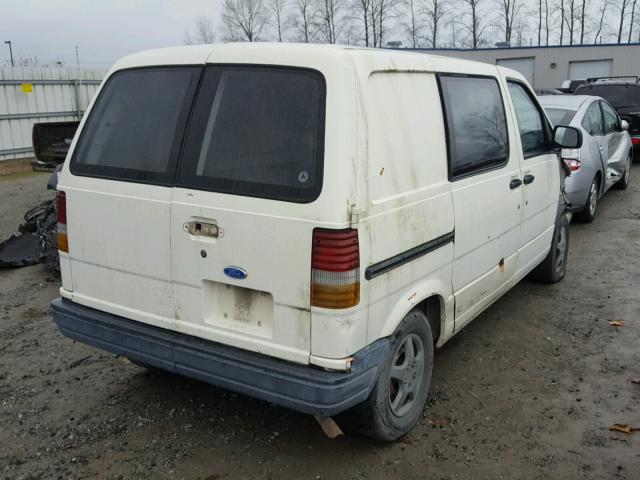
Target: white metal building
[40,94]
[548,67]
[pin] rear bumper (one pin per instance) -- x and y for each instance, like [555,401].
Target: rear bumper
[300,387]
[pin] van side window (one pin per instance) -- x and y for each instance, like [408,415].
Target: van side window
[135,129]
[476,124]
[592,121]
[531,122]
[611,122]
[257,131]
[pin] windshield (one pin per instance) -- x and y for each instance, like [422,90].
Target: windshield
[560,116]
[619,96]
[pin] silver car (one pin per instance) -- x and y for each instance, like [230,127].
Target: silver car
[605,157]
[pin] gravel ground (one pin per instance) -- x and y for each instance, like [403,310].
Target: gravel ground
[527,391]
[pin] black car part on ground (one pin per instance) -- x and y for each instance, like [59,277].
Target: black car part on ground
[36,240]
[51,142]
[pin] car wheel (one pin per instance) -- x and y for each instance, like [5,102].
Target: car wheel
[554,267]
[398,397]
[623,183]
[589,213]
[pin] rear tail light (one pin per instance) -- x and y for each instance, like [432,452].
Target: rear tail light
[635,140]
[335,268]
[571,157]
[573,164]
[61,210]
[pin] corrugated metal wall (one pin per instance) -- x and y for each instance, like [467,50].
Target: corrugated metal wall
[58,94]
[551,64]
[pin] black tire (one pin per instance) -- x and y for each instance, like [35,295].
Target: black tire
[554,266]
[591,207]
[377,417]
[623,183]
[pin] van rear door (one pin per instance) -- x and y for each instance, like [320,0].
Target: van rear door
[240,242]
[118,196]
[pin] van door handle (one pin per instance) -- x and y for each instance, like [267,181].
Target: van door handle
[202,228]
[527,179]
[515,183]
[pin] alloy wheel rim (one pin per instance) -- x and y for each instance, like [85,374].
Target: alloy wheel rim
[406,375]
[593,197]
[561,248]
[627,172]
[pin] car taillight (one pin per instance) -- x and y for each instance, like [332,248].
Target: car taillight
[571,157]
[61,210]
[573,164]
[635,140]
[335,268]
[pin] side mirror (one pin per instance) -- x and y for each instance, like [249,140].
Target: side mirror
[567,137]
[624,125]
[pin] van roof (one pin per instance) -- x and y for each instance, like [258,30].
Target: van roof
[304,54]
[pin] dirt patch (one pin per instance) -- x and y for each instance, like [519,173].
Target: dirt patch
[527,391]
[17,166]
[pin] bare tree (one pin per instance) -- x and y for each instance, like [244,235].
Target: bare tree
[411,22]
[562,19]
[304,18]
[582,20]
[276,11]
[509,11]
[362,11]
[539,22]
[243,20]
[570,18]
[435,15]
[380,14]
[631,21]
[623,7]
[201,32]
[601,23]
[473,23]
[546,21]
[329,14]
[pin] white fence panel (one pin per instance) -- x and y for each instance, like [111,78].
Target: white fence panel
[40,94]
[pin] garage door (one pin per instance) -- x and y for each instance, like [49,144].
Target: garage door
[523,65]
[590,68]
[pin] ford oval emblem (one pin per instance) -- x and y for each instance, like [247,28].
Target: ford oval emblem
[235,272]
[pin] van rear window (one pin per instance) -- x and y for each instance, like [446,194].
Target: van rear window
[136,127]
[257,131]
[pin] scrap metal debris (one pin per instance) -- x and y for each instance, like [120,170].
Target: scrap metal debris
[36,240]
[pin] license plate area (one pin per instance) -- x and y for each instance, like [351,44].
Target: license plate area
[238,309]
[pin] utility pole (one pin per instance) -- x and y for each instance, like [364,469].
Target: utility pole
[8,42]
[77,59]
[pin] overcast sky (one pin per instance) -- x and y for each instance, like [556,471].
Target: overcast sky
[103,30]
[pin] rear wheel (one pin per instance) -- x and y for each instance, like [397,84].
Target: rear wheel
[623,183]
[589,213]
[554,266]
[399,395]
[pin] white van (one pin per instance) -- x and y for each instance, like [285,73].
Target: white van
[305,223]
